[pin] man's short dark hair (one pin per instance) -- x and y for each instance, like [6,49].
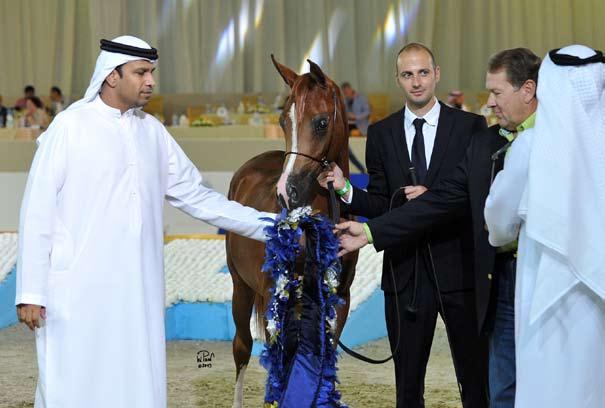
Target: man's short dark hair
[520,65]
[29,88]
[345,85]
[414,46]
[57,90]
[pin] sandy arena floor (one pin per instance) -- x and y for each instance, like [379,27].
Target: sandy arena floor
[363,385]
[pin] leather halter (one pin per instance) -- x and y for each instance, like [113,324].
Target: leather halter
[324,163]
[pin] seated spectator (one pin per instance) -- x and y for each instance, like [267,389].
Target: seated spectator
[35,115]
[358,109]
[455,99]
[57,103]
[3,113]
[28,91]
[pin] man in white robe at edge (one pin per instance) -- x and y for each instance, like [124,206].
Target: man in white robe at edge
[552,189]
[90,277]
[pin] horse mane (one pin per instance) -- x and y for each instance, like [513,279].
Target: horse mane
[343,157]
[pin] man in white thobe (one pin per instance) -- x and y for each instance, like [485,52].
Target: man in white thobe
[90,277]
[552,190]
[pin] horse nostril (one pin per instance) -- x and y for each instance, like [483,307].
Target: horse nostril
[294,196]
[292,193]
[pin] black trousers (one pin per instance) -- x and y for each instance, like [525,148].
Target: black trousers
[469,349]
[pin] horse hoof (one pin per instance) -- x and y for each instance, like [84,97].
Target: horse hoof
[238,395]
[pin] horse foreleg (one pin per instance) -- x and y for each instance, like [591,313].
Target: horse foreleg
[344,291]
[242,304]
[342,313]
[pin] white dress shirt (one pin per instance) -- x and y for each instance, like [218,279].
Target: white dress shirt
[429,129]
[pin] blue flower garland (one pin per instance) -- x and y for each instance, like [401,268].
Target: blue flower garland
[282,249]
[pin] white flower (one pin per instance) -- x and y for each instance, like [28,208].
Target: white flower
[280,286]
[331,278]
[284,224]
[298,213]
[271,327]
[332,323]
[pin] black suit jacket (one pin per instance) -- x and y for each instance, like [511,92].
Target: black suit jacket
[467,185]
[388,163]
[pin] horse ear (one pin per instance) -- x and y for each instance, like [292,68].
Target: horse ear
[286,73]
[317,74]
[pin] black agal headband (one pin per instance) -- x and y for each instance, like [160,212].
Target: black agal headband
[572,60]
[147,53]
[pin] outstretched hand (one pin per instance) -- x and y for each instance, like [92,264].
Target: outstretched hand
[351,236]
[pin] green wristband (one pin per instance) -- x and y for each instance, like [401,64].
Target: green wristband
[345,189]
[366,229]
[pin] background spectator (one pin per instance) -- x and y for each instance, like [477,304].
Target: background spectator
[455,99]
[35,115]
[57,103]
[358,109]
[28,91]
[3,113]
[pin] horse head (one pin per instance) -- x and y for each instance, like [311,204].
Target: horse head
[315,124]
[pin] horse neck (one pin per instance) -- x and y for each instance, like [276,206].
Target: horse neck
[342,145]
[343,158]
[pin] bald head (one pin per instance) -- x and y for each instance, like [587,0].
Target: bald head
[416,47]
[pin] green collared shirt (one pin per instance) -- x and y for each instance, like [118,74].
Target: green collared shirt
[527,124]
[510,136]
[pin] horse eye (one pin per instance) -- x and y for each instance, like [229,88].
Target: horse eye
[282,122]
[320,125]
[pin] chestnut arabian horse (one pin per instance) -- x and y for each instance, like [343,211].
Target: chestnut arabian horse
[315,124]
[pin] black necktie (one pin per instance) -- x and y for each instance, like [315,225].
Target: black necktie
[418,155]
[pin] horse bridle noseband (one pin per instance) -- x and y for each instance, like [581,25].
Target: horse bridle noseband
[323,162]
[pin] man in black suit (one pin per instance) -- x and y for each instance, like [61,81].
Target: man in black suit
[432,138]
[511,79]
